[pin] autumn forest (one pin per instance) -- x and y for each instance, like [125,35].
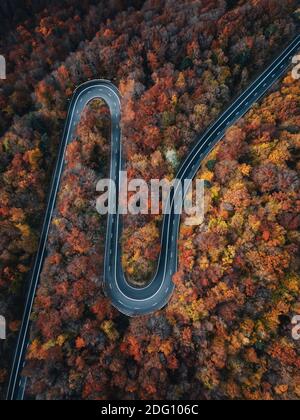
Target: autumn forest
[226,333]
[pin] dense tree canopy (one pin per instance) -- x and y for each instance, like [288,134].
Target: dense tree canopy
[226,332]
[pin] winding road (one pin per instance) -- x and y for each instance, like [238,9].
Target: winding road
[126,298]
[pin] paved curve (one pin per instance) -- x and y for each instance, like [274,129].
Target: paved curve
[127,299]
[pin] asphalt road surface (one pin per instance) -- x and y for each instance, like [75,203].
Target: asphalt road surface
[127,299]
